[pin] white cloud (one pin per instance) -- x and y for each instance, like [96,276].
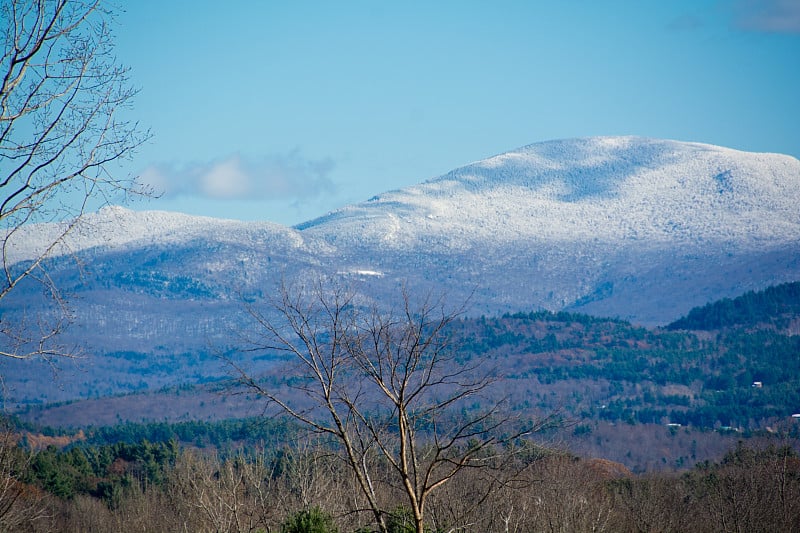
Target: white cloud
[236,178]
[227,179]
[770,16]
[151,178]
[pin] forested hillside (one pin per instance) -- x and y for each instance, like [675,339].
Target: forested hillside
[610,379]
[776,306]
[741,375]
[736,378]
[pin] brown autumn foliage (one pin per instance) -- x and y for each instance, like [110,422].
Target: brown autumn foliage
[536,490]
[38,441]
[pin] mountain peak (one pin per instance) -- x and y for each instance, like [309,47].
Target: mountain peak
[615,189]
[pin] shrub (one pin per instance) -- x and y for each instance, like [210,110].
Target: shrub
[312,520]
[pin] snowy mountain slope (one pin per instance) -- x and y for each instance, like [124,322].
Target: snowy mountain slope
[641,229]
[615,189]
[116,228]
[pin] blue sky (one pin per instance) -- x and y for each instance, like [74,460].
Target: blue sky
[283,111]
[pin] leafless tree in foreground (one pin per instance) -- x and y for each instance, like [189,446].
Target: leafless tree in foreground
[406,413]
[61,92]
[21,505]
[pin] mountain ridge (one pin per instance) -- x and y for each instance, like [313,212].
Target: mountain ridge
[560,185]
[634,228]
[562,172]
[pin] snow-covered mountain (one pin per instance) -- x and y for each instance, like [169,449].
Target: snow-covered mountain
[641,229]
[615,189]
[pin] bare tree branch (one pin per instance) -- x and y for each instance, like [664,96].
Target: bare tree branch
[61,94]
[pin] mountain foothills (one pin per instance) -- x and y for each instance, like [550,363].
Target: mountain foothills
[638,229]
[688,394]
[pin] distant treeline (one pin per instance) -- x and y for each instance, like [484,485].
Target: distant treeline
[752,308]
[223,435]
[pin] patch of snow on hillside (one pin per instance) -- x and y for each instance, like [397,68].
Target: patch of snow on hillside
[363,272]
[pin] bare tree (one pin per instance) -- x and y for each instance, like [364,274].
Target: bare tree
[21,505]
[389,388]
[215,494]
[61,93]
